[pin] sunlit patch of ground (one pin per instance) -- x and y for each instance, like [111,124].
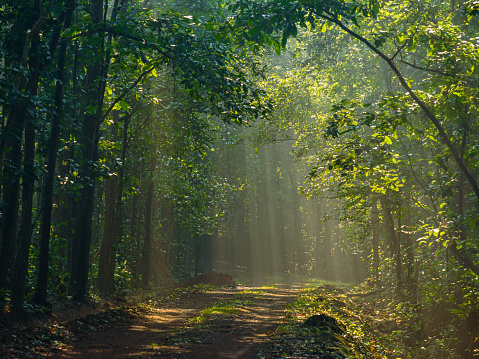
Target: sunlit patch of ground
[203,322]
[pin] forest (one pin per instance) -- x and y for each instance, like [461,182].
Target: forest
[147,142]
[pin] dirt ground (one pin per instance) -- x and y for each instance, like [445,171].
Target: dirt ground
[169,333]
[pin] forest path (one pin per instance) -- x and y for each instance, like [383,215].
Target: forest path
[223,323]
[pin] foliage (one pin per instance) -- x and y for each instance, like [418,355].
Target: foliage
[294,339]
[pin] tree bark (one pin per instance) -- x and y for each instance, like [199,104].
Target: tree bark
[47,193]
[11,142]
[148,227]
[375,240]
[410,248]
[318,243]
[11,188]
[106,276]
[89,146]
[28,179]
[395,244]
[327,260]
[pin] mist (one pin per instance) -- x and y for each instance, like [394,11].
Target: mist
[273,229]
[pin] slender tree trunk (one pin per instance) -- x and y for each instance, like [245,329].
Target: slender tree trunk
[132,235]
[11,188]
[47,193]
[113,193]
[106,277]
[197,257]
[327,262]
[148,227]
[410,249]
[375,240]
[95,84]
[89,146]
[25,234]
[26,227]
[395,245]
[318,243]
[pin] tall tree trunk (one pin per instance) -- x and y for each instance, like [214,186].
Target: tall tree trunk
[375,240]
[89,147]
[146,250]
[327,260]
[113,193]
[11,188]
[132,235]
[106,277]
[95,84]
[11,146]
[318,243]
[28,182]
[410,248]
[395,244]
[47,193]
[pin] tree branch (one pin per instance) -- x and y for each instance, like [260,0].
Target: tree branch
[442,133]
[428,70]
[131,87]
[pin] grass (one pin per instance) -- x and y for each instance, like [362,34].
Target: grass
[220,308]
[229,307]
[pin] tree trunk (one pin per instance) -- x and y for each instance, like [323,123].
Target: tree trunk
[28,182]
[89,145]
[132,235]
[47,193]
[375,240]
[395,244]
[106,276]
[148,227]
[410,248]
[318,243]
[11,188]
[327,262]
[111,233]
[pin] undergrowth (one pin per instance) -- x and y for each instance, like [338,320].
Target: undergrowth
[345,334]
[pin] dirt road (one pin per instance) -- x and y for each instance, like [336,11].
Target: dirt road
[226,323]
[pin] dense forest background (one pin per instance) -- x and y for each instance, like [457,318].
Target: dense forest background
[146,142]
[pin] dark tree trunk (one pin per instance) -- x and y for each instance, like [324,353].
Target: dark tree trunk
[197,257]
[25,233]
[133,237]
[89,146]
[28,182]
[47,193]
[106,276]
[113,193]
[148,230]
[11,188]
